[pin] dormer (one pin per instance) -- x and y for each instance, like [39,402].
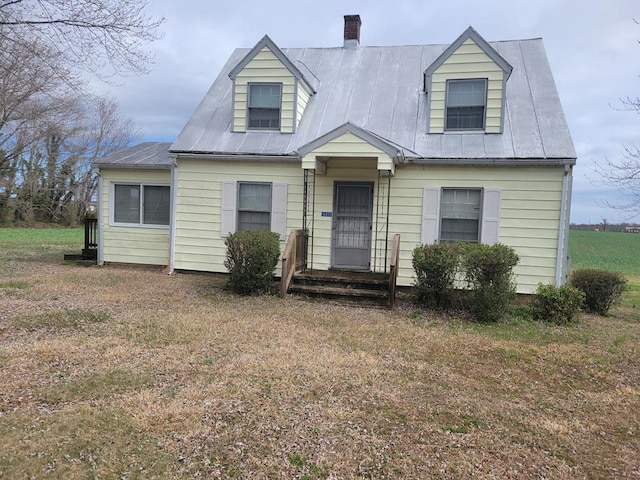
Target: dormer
[466,87]
[270,92]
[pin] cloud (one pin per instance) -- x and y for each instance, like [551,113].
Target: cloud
[592,47]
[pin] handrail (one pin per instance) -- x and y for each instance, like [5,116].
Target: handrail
[292,258]
[90,233]
[393,270]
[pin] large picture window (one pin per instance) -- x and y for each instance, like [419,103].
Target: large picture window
[466,104]
[254,206]
[142,204]
[264,105]
[460,215]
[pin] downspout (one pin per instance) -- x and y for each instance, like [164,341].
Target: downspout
[174,197]
[100,259]
[375,240]
[567,260]
[563,229]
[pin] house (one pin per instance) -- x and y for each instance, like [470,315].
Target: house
[632,229]
[352,146]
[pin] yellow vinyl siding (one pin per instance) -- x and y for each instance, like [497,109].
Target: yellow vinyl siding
[198,244]
[468,62]
[265,67]
[348,145]
[303,100]
[141,244]
[529,218]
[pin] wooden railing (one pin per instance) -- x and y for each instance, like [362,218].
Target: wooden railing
[90,237]
[293,258]
[393,270]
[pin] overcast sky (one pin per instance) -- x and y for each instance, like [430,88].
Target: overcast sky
[592,46]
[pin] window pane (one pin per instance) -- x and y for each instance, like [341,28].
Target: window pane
[264,118]
[465,118]
[157,205]
[264,96]
[127,204]
[254,221]
[460,215]
[454,230]
[465,93]
[255,196]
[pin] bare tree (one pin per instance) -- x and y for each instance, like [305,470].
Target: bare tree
[87,34]
[624,172]
[56,179]
[31,90]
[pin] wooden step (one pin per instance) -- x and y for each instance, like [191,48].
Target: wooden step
[344,279]
[338,291]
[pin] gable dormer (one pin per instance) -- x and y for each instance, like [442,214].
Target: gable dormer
[270,93]
[466,87]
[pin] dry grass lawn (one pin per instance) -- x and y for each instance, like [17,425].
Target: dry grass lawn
[123,372]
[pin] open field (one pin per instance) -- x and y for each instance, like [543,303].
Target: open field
[123,372]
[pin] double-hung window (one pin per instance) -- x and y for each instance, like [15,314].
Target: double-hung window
[141,204]
[264,105]
[466,104]
[254,206]
[460,215]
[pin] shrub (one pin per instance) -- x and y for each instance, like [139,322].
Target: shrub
[559,305]
[601,288]
[488,270]
[251,260]
[435,267]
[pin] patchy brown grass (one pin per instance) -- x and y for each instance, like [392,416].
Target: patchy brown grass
[123,372]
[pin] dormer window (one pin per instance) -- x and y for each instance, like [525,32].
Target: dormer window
[265,100]
[466,104]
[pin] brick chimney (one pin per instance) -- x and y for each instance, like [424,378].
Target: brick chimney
[352,31]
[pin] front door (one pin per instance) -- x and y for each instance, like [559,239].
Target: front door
[351,232]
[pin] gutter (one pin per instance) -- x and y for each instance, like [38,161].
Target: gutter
[494,162]
[231,158]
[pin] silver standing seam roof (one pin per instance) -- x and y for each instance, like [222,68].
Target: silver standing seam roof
[381,90]
[153,155]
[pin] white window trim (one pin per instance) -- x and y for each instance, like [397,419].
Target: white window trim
[484,113]
[112,209]
[263,129]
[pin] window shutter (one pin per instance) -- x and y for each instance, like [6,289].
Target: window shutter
[491,216]
[430,215]
[228,211]
[279,209]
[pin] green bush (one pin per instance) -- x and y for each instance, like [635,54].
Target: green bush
[488,271]
[435,267]
[251,260]
[559,305]
[601,288]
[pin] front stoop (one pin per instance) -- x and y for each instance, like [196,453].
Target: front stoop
[361,288]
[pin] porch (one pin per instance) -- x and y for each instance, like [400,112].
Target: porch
[364,288]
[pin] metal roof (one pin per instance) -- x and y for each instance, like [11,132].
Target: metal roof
[380,89]
[144,155]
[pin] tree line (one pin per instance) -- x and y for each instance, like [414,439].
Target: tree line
[52,127]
